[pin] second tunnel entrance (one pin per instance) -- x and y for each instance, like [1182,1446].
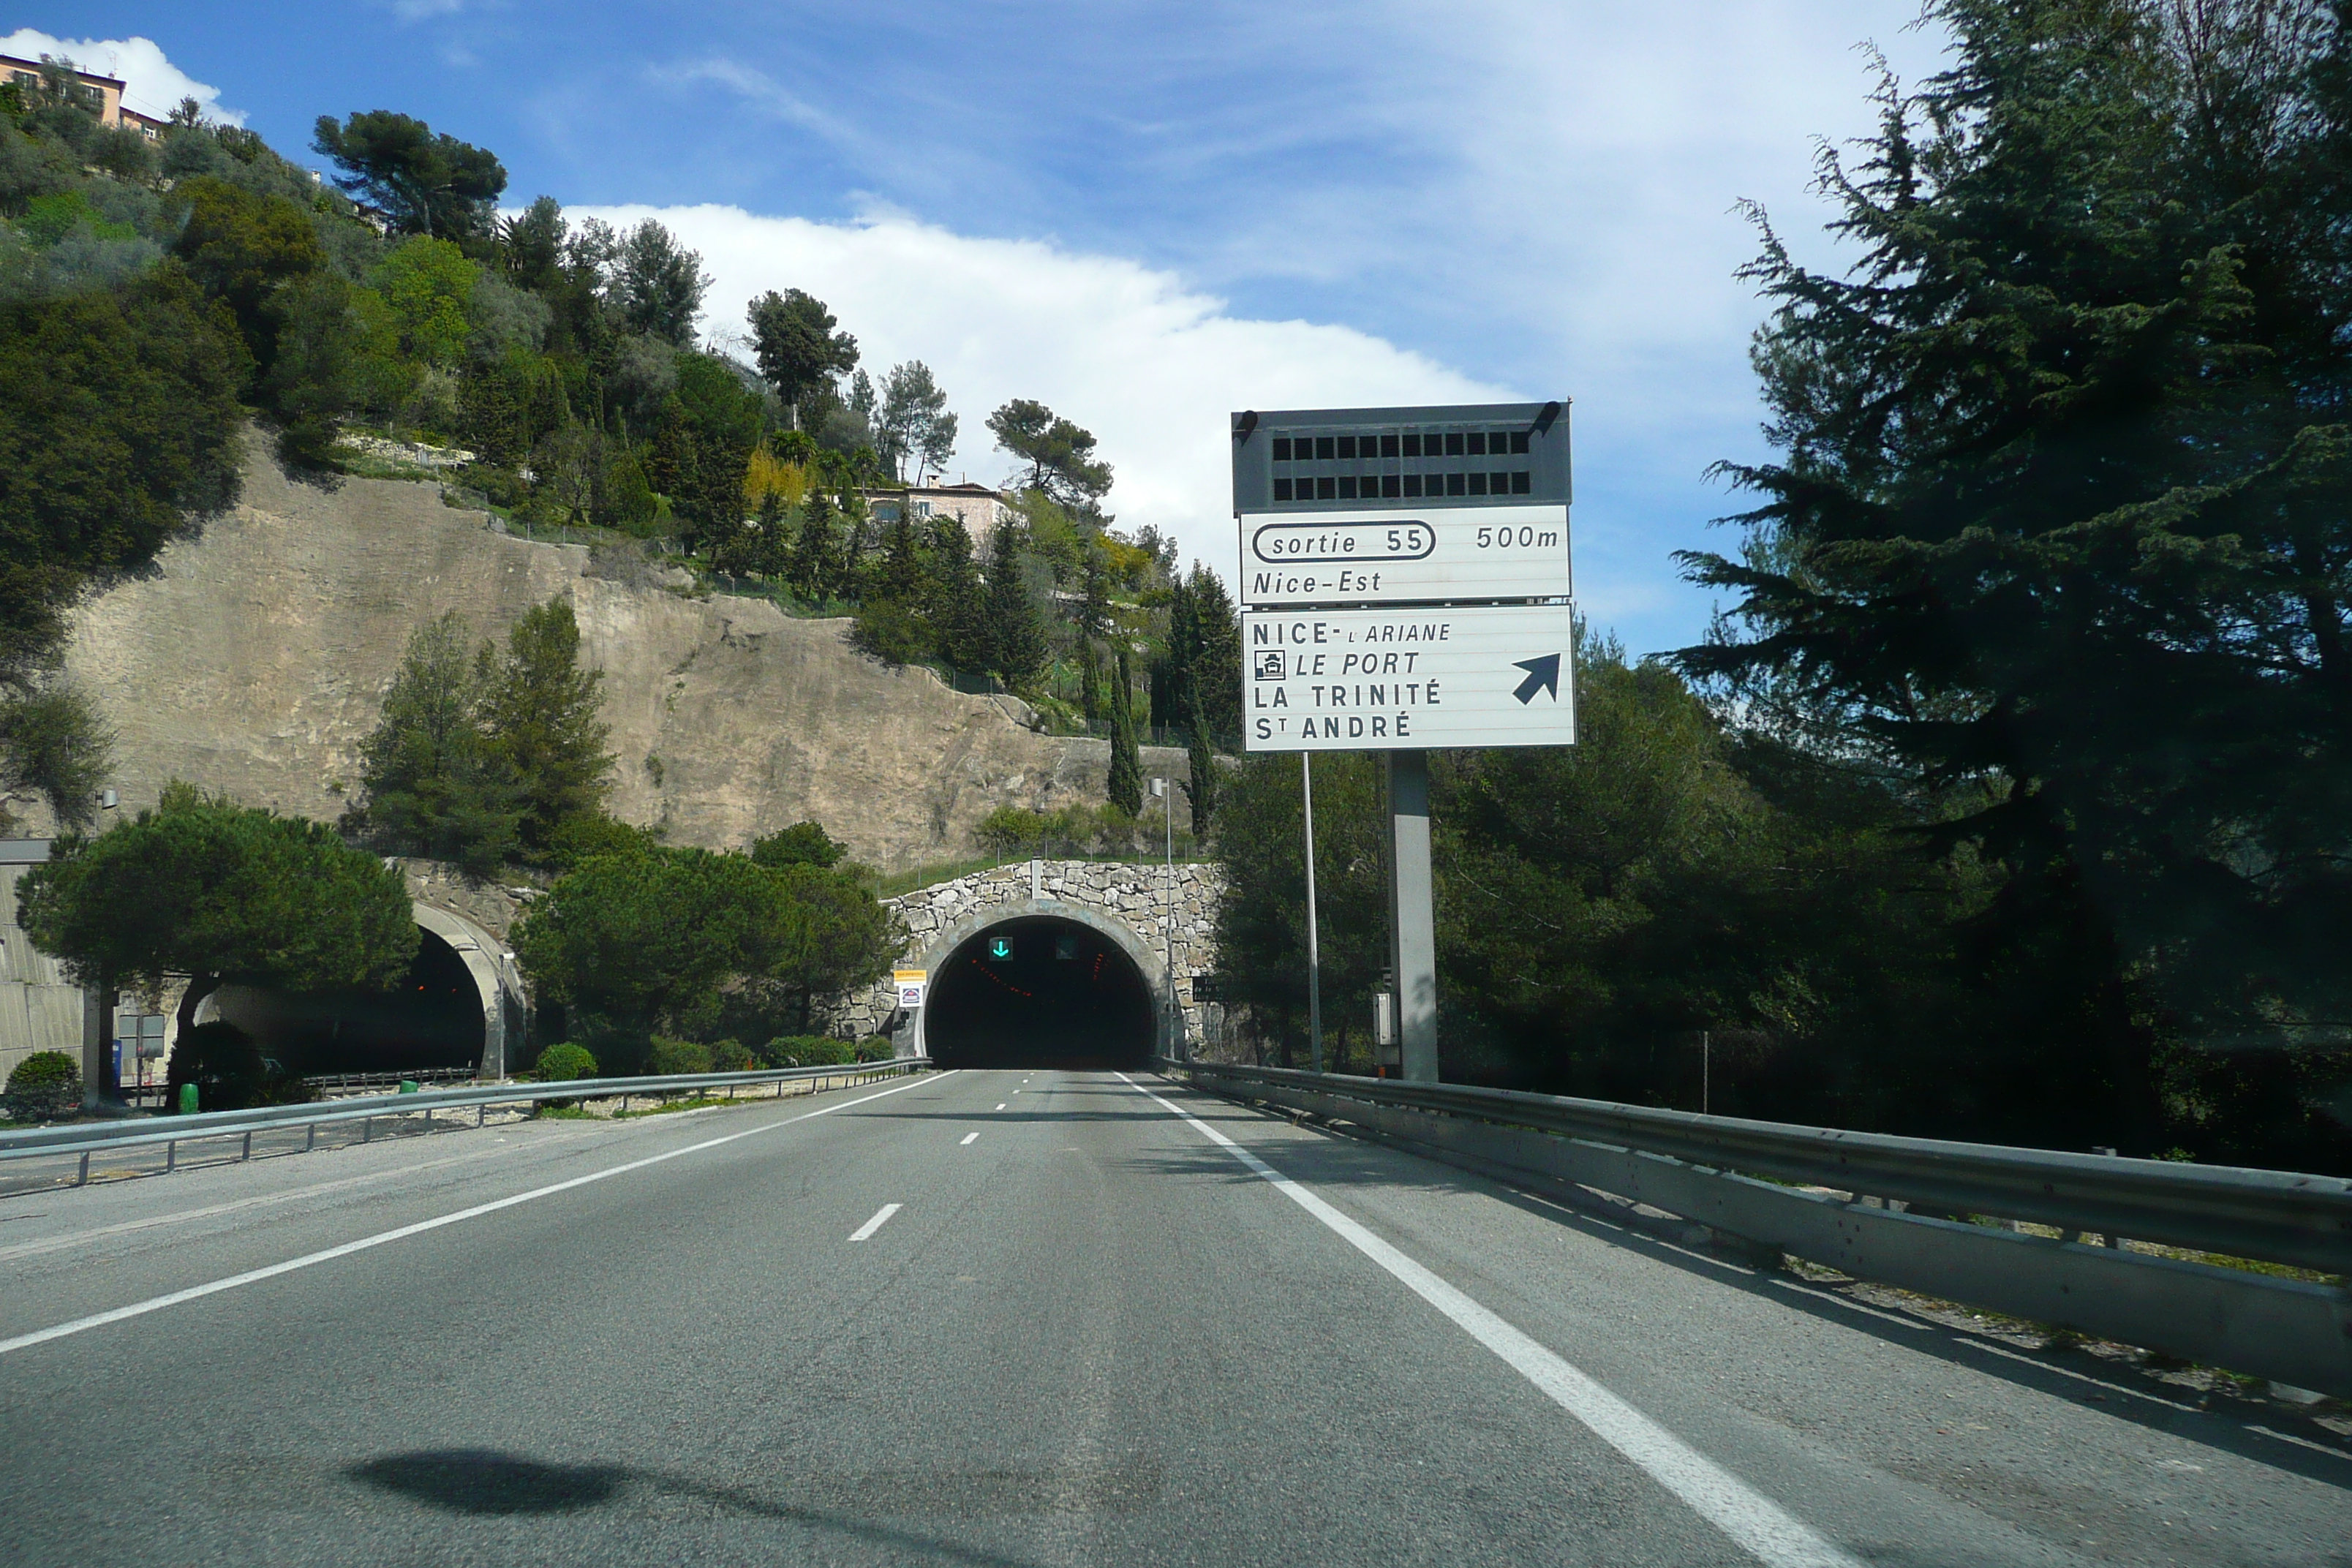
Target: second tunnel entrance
[1038,991]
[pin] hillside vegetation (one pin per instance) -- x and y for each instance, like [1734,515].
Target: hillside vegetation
[156,292]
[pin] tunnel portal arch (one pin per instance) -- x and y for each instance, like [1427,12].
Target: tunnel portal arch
[462,1003]
[1049,1000]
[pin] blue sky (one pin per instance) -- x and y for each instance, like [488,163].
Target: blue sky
[1146,213]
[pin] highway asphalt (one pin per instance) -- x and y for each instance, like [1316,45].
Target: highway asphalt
[1030,1318]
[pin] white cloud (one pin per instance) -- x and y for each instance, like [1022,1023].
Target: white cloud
[1149,365]
[150,84]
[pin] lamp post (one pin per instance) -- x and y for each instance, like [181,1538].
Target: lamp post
[1161,787]
[1314,944]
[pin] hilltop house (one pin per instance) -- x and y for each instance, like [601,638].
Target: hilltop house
[977,507]
[107,90]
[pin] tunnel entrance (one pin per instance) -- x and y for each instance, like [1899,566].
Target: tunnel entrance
[1038,992]
[432,1019]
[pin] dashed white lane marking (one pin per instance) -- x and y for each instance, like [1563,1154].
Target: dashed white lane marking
[308,1259]
[881,1217]
[1000,1105]
[1754,1522]
[968,1138]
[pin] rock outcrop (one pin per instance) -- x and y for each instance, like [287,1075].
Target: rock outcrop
[255,657]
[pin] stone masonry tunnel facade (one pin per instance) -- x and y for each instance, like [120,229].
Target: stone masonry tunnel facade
[1082,975]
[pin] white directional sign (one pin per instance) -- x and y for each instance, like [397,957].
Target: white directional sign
[1415,554]
[1397,679]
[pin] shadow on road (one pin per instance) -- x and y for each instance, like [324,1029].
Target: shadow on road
[474,1480]
[486,1482]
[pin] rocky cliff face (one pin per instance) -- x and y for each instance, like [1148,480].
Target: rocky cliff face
[254,659]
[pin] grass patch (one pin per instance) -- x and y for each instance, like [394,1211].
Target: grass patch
[898,882]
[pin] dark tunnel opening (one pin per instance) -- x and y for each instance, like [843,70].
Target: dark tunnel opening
[432,1018]
[1039,991]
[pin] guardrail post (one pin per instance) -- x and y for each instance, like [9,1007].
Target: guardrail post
[83,1180]
[248,1144]
[367,1129]
[171,1156]
[482,1114]
[310,1137]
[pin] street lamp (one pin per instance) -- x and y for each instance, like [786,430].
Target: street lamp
[1160,786]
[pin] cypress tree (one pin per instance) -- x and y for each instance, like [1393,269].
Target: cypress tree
[1017,649]
[1089,683]
[1201,763]
[1125,788]
[900,580]
[772,552]
[809,572]
[1212,675]
[956,608]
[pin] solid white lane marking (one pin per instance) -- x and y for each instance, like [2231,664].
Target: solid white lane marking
[1754,1522]
[881,1217]
[968,1138]
[317,1189]
[309,1259]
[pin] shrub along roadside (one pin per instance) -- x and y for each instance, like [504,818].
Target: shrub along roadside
[563,1062]
[43,1087]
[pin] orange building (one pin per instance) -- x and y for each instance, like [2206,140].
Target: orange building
[108,91]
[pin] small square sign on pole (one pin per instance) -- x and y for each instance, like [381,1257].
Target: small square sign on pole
[910,984]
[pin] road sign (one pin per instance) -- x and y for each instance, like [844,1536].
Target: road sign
[911,986]
[1404,586]
[1401,460]
[1397,679]
[1441,552]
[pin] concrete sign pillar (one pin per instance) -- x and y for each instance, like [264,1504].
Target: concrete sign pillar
[1412,925]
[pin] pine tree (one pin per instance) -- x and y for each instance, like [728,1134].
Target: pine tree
[434,782]
[542,715]
[2057,528]
[1125,787]
[1017,649]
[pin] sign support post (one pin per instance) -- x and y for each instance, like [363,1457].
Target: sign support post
[1412,923]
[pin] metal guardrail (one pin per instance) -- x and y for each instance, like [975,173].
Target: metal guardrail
[1706,1169]
[346,1083]
[85,1139]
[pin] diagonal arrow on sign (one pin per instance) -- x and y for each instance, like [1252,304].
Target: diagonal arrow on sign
[1543,675]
